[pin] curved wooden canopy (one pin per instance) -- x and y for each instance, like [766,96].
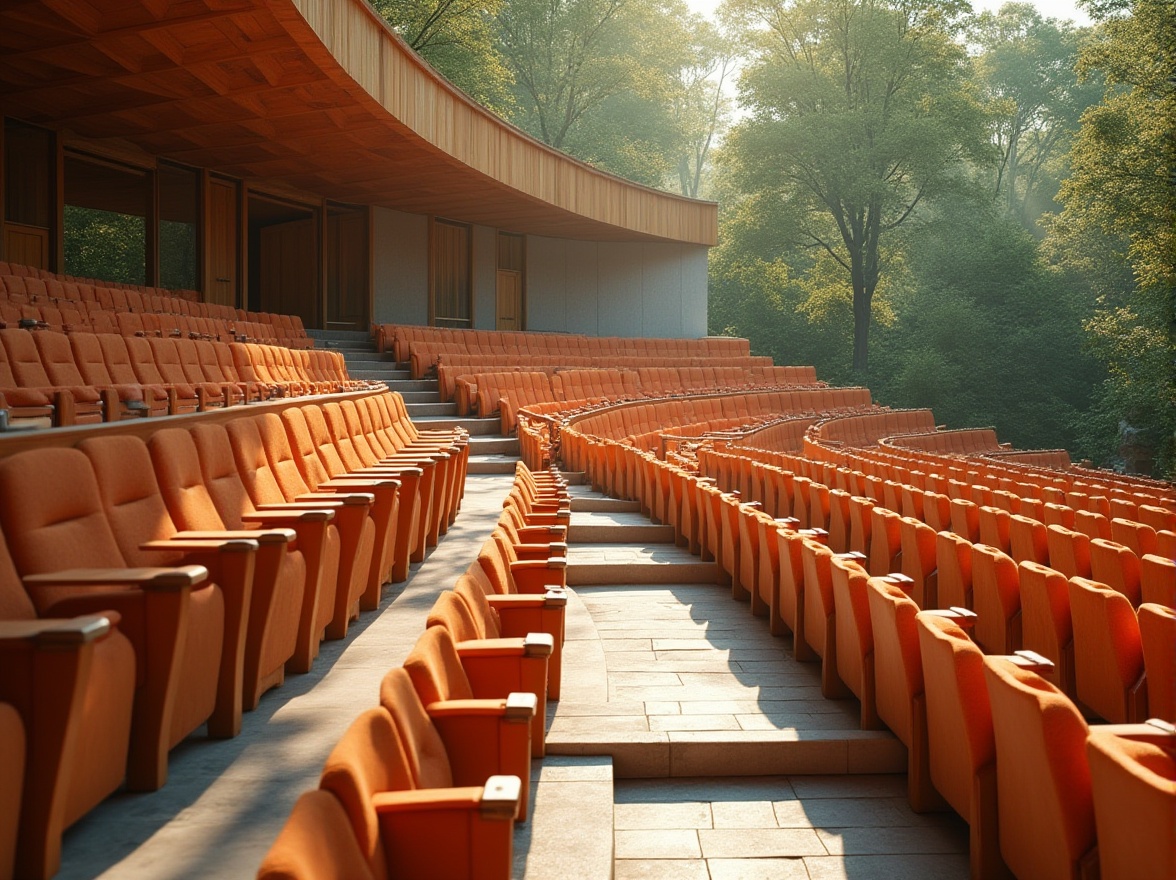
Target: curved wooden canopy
[320,95]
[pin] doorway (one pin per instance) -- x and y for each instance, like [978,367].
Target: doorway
[283,259]
[509,282]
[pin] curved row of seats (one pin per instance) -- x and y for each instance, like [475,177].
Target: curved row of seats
[505,392]
[50,378]
[64,302]
[401,339]
[987,733]
[429,783]
[152,584]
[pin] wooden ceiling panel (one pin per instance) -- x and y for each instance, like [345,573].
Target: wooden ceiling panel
[290,92]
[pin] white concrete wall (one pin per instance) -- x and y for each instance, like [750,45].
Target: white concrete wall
[616,288]
[596,288]
[401,261]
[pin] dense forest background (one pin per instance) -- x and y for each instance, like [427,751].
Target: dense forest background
[968,212]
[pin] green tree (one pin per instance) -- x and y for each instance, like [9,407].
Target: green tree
[1025,71]
[1117,230]
[700,106]
[859,114]
[457,38]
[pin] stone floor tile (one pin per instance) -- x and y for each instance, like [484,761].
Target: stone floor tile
[882,785]
[844,813]
[888,841]
[758,869]
[743,814]
[759,843]
[908,867]
[663,708]
[693,722]
[647,816]
[661,869]
[676,844]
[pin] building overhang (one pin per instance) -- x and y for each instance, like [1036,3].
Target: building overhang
[316,95]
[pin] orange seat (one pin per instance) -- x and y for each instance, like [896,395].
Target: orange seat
[1046,624]
[462,742]
[953,564]
[1069,551]
[885,541]
[959,736]
[1108,654]
[413,833]
[1116,566]
[898,671]
[854,656]
[996,599]
[1027,540]
[1157,634]
[317,843]
[439,674]
[1042,777]
[1134,791]
[62,545]
[75,706]
[918,541]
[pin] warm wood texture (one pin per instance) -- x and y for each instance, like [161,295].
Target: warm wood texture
[314,94]
[289,267]
[220,275]
[347,270]
[27,245]
[509,294]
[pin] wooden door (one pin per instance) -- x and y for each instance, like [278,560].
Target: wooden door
[220,281]
[347,271]
[27,245]
[510,300]
[289,270]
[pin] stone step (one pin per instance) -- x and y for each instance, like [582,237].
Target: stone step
[495,446]
[492,464]
[382,376]
[617,528]
[421,396]
[369,358]
[627,564]
[599,503]
[400,382]
[416,410]
[567,792]
[476,427]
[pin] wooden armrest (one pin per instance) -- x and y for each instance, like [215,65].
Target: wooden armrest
[332,499]
[1155,731]
[177,578]
[358,482]
[290,513]
[497,799]
[518,706]
[965,618]
[261,536]
[551,599]
[198,545]
[852,555]
[532,645]
[56,630]
[554,562]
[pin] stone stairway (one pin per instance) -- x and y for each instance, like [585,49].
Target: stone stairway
[490,451]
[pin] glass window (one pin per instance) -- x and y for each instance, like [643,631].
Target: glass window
[179,214]
[105,233]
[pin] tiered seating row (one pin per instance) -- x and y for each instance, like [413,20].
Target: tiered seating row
[153,582]
[843,556]
[421,345]
[50,378]
[34,297]
[430,782]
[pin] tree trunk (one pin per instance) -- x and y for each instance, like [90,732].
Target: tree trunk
[861,329]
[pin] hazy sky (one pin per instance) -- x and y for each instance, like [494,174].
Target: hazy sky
[1063,9]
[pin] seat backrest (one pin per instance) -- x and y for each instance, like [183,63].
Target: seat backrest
[344,443]
[1108,654]
[471,592]
[253,464]
[1134,793]
[1069,551]
[131,497]
[897,666]
[996,599]
[181,483]
[451,612]
[1116,566]
[959,720]
[57,358]
[1027,539]
[368,759]
[24,360]
[218,467]
[316,843]
[142,358]
[1043,779]
[283,463]
[1157,632]
[428,760]
[435,668]
[1158,580]
[87,352]
[53,517]
[953,563]
[15,603]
